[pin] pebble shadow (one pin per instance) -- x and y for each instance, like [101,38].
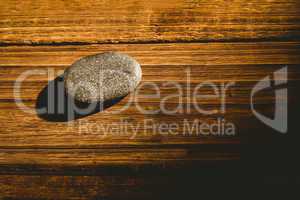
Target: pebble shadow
[55,105]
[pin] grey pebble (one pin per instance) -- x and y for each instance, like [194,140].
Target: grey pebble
[102,77]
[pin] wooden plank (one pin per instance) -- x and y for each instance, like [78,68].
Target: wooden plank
[31,144]
[80,22]
[75,187]
[180,54]
[114,158]
[114,187]
[244,63]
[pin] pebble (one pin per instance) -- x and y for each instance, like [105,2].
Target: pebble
[102,77]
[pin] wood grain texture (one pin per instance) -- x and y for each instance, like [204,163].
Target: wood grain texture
[218,41]
[68,187]
[101,187]
[45,22]
[34,145]
[243,63]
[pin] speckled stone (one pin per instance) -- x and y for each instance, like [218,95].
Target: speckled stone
[102,77]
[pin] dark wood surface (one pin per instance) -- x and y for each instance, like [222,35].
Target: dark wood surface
[218,41]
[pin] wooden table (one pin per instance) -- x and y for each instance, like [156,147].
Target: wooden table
[215,41]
